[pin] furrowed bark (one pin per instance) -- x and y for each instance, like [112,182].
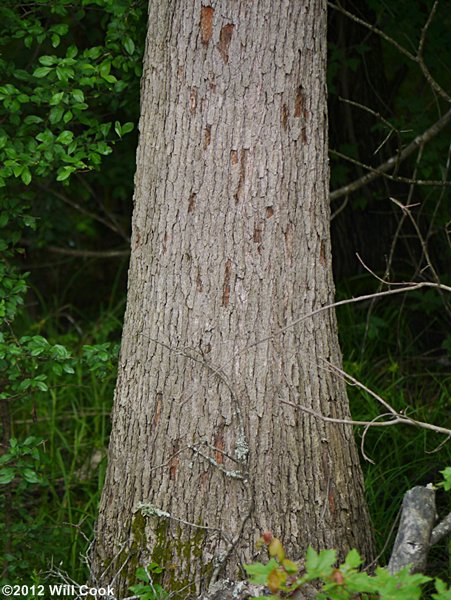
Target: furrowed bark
[230,243]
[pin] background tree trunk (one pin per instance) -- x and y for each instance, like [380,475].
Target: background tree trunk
[230,245]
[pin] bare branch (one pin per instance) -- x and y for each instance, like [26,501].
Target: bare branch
[417,58]
[441,530]
[374,29]
[75,205]
[396,418]
[394,160]
[405,287]
[88,253]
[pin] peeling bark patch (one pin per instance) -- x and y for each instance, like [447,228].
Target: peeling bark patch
[226,286]
[206,23]
[299,103]
[219,444]
[173,465]
[239,189]
[269,212]
[257,237]
[158,407]
[284,116]
[207,136]
[322,254]
[234,157]
[137,238]
[193,100]
[225,38]
[192,203]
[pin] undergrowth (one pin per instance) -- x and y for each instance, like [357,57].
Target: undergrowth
[51,518]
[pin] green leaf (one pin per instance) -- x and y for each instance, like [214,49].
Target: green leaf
[32,119]
[7,474]
[446,484]
[65,137]
[56,98]
[259,572]
[72,51]
[78,96]
[127,127]
[5,458]
[105,68]
[353,559]
[64,173]
[444,593]
[26,176]
[105,128]
[320,565]
[60,28]
[56,114]
[129,45]
[55,40]
[117,128]
[41,72]
[30,476]
[48,61]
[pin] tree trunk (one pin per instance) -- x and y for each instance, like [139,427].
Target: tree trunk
[230,245]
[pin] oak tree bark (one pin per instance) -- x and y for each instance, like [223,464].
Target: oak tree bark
[230,246]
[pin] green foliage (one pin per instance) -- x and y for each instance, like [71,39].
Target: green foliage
[446,484]
[343,582]
[51,105]
[23,459]
[147,589]
[67,71]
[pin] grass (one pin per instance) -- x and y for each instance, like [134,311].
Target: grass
[53,521]
[384,348]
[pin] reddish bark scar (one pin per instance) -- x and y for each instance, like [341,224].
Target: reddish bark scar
[234,157]
[207,136]
[322,254]
[257,234]
[269,212]
[206,23]
[219,444]
[173,465]
[158,407]
[225,38]
[192,203]
[284,117]
[299,102]
[193,100]
[226,286]
[331,498]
